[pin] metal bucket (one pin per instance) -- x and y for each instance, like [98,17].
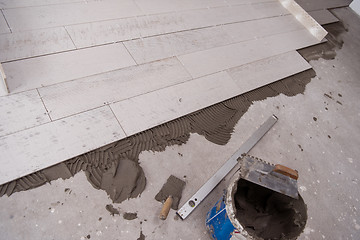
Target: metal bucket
[221,221]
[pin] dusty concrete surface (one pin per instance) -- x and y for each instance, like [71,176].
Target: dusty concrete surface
[317,134]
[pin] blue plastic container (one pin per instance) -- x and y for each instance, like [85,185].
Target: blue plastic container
[221,221]
[218,222]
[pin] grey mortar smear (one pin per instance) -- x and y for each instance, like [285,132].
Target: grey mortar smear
[115,168]
[266,214]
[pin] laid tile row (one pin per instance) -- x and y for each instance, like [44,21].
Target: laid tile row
[47,70]
[57,38]
[26,151]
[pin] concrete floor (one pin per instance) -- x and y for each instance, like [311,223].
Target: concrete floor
[323,145]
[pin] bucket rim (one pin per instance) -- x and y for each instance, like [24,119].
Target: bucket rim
[231,209]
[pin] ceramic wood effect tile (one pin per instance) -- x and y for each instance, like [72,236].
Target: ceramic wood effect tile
[221,58]
[3,25]
[37,148]
[238,2]
[21,19]
[14,46]
[3,84]
[46,70]
[80,95]
[265,71]
[97,33]
[262,27]
[173,102]
[91,34]
[31,3]
[160,6]
[151,25]
[21,111]
[159,47]
[231,14]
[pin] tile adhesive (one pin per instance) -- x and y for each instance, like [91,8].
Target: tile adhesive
[173,187]
[326,50]
[115,168]
[266,214]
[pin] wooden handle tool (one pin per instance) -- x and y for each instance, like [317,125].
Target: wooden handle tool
[286,171]
[166,208]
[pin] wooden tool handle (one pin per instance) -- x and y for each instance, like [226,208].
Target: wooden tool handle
[286,171]
[166,208]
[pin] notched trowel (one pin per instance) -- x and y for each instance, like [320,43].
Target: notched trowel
[274,177]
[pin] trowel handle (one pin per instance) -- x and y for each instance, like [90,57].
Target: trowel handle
[166,208]
[286,171]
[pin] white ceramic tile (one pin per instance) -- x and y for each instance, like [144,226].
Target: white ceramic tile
[46,70]
[67,14]
[31,3]
[30,150]
[238,2]
[90,34]
[265,71]
[34,43]
[160,6]
[163,46]
[150,25]
[3,88]
[96,33]
[80,95]
[221,58]
[262,27]
[3,26]
[3,84]
[323,17]
[21,111]
[231,14]
[173,102]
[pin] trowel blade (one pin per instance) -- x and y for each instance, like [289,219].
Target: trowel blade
[260,172]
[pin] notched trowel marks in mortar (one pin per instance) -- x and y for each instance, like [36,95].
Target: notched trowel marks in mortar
[115,168]
[36,179]
[121,179]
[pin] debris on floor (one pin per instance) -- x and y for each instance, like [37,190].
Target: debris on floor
[113,211]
